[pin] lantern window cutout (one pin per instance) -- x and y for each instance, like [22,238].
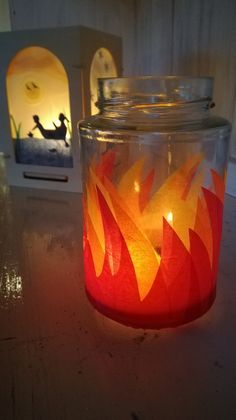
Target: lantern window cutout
[103,65]
[39,108]
[52,67]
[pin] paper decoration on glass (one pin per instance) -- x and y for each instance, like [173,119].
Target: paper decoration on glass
[151,255]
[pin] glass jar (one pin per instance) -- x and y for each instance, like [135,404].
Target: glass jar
[154,165]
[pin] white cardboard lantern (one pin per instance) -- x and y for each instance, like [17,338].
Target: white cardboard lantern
[48,82]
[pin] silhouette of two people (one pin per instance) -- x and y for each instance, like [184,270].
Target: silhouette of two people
[59,133]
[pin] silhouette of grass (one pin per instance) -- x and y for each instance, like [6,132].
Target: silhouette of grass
[16,128]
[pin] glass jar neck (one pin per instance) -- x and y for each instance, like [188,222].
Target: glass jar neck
[150,99]
[162,113]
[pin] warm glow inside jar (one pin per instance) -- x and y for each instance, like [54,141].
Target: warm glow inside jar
[154,166]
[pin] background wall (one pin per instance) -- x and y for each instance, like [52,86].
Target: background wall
[5,24]
[195,37]
[114,16]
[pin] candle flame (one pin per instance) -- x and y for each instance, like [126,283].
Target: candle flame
[170,217]
[136,187]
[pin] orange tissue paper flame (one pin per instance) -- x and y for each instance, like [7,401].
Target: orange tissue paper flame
[152,254]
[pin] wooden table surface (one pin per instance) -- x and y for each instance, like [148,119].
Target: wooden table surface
[60,359]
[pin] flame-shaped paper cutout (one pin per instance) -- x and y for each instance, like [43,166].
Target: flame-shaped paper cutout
[219,185]
[178,271]
[112,235]
[119,292]
[168,199]
[168,275]
[129,187]
[139,247]
[95,214]
[189,178]
[202,266]
[97,252]
[184,211]
[145,190]
[98,184]
[215,209]
[202,226]
[106,166]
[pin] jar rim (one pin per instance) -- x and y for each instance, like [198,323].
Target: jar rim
[155,89]
[159,77]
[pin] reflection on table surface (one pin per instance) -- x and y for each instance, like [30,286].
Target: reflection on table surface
[61,359]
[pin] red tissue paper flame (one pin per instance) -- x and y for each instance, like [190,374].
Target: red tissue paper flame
[149,270]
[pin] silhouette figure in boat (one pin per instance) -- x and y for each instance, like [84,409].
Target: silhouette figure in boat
[58,134]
